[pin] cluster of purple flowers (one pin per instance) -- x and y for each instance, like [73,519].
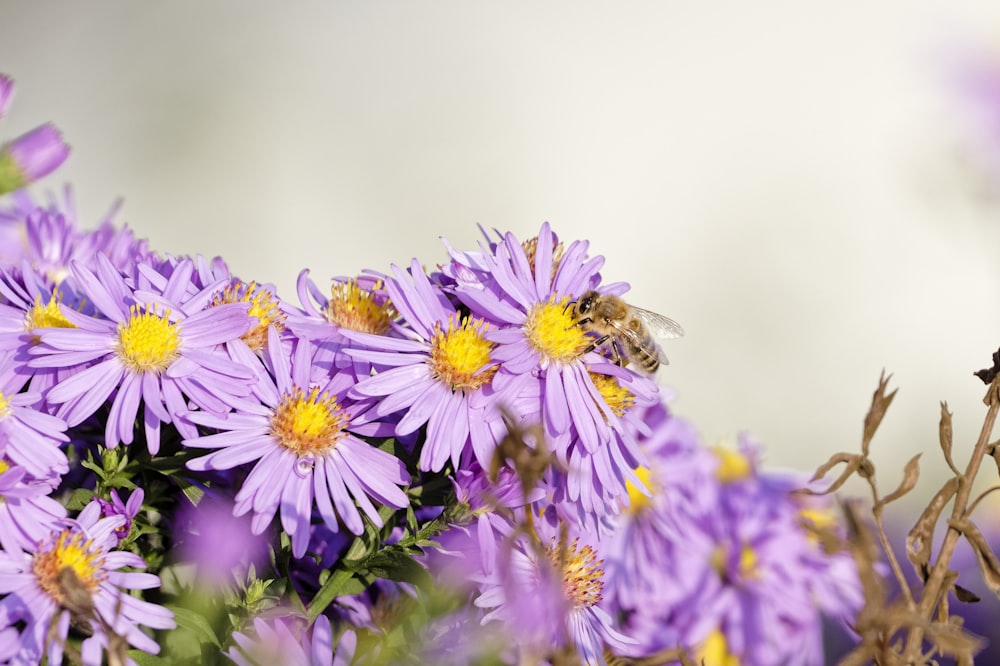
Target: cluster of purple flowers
[318,464]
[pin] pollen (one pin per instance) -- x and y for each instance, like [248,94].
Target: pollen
[733,465]
[460,354]
[617,397]
[746,567]
[4,466]
[72,551]
[715,651]
[358,309]
[582,575]
[553,332]
[148,342]
[308,423]
[46,315]
[638,501]
[263,306]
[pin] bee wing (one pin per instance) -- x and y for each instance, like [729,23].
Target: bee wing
[661,327]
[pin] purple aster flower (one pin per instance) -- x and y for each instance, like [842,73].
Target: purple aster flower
[744,579]
[29,437]
[50,238]
[116,507]
[220,545]
[283,640]
[354,304]
[156,346]
[303,441]
[677,483]
[547,594]
[542,351]
[440,375]
[31,156]
[73,575]
[27,513]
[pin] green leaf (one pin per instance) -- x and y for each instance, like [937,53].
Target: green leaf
[80,498]
[146,659]
[398,564]
[195,623]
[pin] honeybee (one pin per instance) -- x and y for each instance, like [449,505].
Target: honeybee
[629,332]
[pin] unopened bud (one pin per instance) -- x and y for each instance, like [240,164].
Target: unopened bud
[31,156]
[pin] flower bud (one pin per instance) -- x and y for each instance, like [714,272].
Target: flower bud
[31,156]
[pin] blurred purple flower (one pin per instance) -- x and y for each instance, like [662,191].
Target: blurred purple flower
[222,546]
[30,157]
[284,641]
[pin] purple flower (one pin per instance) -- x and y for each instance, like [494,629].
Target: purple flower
[74,574]
[355,304]
[31,156]
[440,375]
[742,580]
[28,437]
[116,507]
[542,352]
[304,446]
[156,345]
[220,545]
[283,640]
[27,513]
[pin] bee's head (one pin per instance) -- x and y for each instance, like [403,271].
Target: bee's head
[585,303]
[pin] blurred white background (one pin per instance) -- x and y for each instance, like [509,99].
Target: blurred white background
[779,177]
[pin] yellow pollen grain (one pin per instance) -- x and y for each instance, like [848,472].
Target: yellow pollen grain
[72,551]
[308,423]
[748,562]
[715,651]
[4,466]
[582,575]
[553,332]
[733,465]
[638,501]
[263,307]
[616,396]
[46,315]
[460,354]
[357,309]
[148,342]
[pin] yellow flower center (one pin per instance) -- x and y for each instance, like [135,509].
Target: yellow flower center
[148,342]
[4,466]
[308,423]
[4,405]
[747,567]
[46,316]
[263,306]
[460,354]
[70,551]
[637,500]
[617,397]
[582,575]
[553,332]
[358,309]
[715,651]
[733,465]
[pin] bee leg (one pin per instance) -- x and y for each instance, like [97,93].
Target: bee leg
[581,322]
[596,343]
